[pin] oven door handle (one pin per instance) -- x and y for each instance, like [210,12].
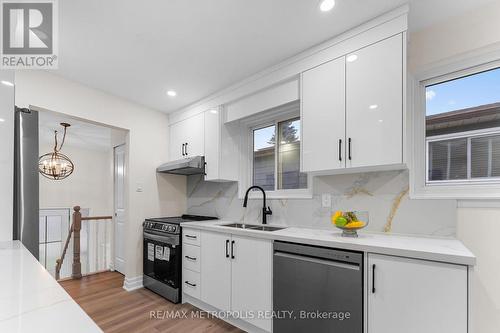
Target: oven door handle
[171,240]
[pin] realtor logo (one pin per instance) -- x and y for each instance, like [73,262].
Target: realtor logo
[29,34]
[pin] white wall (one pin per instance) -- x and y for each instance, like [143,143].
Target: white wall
[475,29]
[89,186]
[478,228]
[6,155]
[147,148]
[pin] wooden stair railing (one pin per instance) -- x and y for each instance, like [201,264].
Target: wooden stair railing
[76,227]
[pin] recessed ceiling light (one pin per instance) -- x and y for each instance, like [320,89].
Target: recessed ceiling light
[352,58]
[171,93]
[8,83]
[373,106]
[2,120]
[213,111]
[326,5]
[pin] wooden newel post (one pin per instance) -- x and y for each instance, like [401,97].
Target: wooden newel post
[77,226]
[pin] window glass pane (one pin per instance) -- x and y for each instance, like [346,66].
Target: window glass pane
[289,175]
[459,110]
[485,156]
[264,157]
[448,160]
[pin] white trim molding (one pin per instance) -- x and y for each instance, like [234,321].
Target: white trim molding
[462,65]
[132,283]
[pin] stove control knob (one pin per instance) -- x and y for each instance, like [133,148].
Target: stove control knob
[169,228]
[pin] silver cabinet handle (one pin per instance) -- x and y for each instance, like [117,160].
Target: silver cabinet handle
[190,236]
[190,258]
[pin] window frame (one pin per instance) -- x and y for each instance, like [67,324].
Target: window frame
[280,114]
[454,68]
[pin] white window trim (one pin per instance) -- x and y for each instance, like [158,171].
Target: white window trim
[476,61]
[267,118]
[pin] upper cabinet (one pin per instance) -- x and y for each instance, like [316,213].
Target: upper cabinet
[221,147]
[323,117]
[205,134]
[186,138]
[374,104]
[352,110]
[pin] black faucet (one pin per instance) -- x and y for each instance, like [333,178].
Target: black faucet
[265,211]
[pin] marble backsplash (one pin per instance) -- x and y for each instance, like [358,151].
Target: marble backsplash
[383,194]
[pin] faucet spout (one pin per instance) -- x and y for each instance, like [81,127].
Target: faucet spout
[265,209]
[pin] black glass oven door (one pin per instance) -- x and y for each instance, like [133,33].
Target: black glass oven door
[162,260]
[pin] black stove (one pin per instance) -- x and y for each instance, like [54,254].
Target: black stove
[170,225]
[162,256]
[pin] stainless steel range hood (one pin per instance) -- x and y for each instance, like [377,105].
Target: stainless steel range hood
[187,166]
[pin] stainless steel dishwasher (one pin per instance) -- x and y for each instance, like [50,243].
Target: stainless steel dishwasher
[317,289]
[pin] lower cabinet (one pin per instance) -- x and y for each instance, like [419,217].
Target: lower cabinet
[251,278]
[236,275]
[415,296]
[216,269]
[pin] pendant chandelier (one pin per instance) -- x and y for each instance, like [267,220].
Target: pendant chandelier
[55,165]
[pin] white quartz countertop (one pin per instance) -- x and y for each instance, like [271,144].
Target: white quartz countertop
[429,248]
[31,300]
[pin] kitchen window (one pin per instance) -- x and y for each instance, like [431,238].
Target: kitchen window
[456,126]
[276,156]
[463,129]
[274,153]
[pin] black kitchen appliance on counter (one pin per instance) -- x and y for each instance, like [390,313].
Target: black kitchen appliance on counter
[162,254]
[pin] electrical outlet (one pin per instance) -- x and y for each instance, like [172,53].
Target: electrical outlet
[326,200]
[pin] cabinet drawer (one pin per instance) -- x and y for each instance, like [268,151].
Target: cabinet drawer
[191,257]
[191,283]
[191,236]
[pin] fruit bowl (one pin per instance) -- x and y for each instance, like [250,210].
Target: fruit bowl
[350,222]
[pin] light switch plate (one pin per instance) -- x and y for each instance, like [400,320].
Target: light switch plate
[326,200]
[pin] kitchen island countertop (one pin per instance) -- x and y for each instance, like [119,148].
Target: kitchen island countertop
[31,300]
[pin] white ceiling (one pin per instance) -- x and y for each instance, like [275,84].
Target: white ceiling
[80,134]
[140,49]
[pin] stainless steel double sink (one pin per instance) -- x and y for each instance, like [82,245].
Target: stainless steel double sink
[252,227]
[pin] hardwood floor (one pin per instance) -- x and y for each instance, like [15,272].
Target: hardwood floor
[115,310]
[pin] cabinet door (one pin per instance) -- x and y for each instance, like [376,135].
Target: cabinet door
[415,296]
[323,117]
[212,144]
[374,104]
[177,138]
[216,270]
[252,278]
[195,135]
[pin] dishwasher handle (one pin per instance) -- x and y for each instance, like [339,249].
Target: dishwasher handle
[334,263]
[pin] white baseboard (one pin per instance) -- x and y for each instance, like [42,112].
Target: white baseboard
[132,283]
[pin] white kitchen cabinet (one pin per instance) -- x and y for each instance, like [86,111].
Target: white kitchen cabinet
[236,275]
[221,143]
[374,104]
[187,138]
[251,278]
[216,269]
[415,296]
[323,117]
